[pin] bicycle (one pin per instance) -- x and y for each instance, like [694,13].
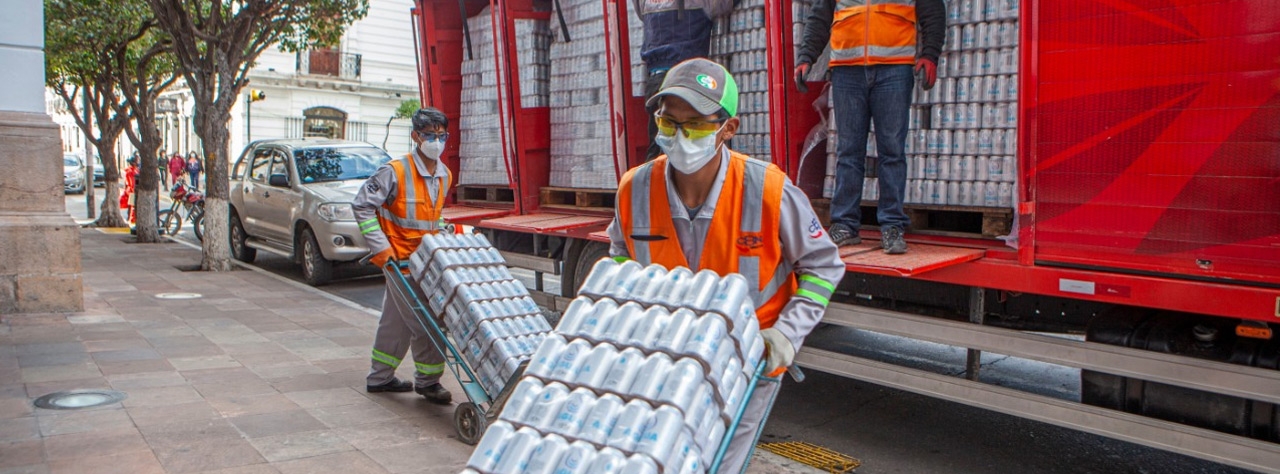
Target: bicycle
[186,205]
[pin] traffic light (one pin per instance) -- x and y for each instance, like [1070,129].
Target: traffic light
[256,95]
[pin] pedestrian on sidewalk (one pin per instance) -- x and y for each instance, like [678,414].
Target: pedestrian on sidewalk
[128,199]
[176,167]
[193,170]
[162,164]
[399,204]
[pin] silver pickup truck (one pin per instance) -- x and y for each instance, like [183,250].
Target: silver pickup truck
[293,198]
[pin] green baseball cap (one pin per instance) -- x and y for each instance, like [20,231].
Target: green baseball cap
[704,84]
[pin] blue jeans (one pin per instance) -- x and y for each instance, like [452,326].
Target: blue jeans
[864,93]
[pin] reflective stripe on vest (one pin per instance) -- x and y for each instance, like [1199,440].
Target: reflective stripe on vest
[412,213]
[742,238]
[869,32]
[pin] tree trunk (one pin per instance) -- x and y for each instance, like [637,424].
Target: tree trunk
[110,215]
[145,203]
[217,248]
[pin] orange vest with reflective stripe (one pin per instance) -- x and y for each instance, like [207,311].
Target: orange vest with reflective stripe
[742,238]
[412,213]
[870,32]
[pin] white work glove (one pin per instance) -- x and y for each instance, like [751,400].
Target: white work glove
[780,353]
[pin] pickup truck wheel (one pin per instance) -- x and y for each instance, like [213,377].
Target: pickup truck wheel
[239,250]
[316,270]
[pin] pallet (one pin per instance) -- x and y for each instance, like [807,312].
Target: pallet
[579,199]
[485,194]
[957,221]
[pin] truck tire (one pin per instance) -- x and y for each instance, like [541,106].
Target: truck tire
[239,249]
[316,270]
[593,252]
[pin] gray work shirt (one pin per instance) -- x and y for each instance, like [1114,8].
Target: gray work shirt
[382,187]
[804,244]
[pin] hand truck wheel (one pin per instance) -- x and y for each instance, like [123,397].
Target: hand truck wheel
[469,421]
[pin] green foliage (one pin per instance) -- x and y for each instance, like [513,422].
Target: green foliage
[407,108]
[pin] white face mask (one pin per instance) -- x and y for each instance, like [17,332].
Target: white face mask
[687,155]
[431,149]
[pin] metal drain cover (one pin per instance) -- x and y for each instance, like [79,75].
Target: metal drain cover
[179,296]
[77,399]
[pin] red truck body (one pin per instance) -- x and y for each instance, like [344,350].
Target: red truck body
[1149,151]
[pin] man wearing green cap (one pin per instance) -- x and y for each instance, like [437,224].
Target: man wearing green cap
[704,206]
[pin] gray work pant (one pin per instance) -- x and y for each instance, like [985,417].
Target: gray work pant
[398,330]
[744,437]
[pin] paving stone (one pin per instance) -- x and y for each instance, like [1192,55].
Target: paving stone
[351,415]
[208,453]
[161,396]
[381,434]
[415,457]
[220,361]
[94,443]
[15,407]
[145,417]
[128,382]
[300,445]
[36,390]
[250,469]
[56,422]
[134,367]
[19,429]
[144,353]
[276,423]
[55,373]
[137,462]
[250,405]
[344,462]
[21,453]
[327,397]
[48,360]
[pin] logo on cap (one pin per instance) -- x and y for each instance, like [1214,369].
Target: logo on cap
[706,81]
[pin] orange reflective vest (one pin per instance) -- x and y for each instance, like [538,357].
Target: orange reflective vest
[412,213]
[742,238]
[870,32]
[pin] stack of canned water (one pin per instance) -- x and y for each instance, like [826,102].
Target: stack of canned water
[739,42]
[533,44]
[490,315]
[635,39]
[480,145]
[581,143]
[644,374]
[962,138]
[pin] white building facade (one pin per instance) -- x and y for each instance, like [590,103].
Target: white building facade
[349,91]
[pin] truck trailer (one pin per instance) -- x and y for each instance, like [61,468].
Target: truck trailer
[1137,142]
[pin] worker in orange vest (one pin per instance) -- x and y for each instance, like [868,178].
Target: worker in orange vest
[873,52]
[399,204]
[704,206]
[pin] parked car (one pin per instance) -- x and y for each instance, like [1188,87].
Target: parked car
[99,176]
[293,198]
[72,174]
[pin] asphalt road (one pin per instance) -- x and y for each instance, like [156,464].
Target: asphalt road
[888,430]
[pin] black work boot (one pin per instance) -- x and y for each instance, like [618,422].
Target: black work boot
[842,236]
[435,393]
[395,385]
[892,240]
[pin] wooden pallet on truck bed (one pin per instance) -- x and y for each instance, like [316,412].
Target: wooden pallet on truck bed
[485,194]
[955,221]
[602,200]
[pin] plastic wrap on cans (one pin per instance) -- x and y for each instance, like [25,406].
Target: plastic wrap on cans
[630,425]
[546,407]
[547,455]
[682,382]
[489,451]
[622,374]
[656,321]
[661,434]
[622,324]
[609,460]
[577,459]
[570,360]
[522,398]
[639,464]
[604,415]
[596,367]
[516,455]
[573,413]
[650,378]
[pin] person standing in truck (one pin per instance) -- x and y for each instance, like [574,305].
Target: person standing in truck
[875,46]
[704,206]
[399,204]
[674,30]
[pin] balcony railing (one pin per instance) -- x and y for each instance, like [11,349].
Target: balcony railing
[328,62]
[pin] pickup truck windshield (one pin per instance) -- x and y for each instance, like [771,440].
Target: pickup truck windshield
[317,165]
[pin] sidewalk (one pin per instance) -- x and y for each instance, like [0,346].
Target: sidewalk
[258,375]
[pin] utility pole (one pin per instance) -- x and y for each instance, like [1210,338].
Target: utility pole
[89,164]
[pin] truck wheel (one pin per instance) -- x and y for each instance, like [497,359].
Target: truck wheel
[592,253]
[316,270]
[239,250]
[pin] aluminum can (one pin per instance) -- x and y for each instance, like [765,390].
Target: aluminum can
[677,331]
[639,464]
[574,412]
[656,321]
[649,380]
[624,371]
[624,280]
[596,366]
[522,397]
[682,383]
[609,460]
[516,455]
[674,286]
[602,273]
[546,406]
[577,459]
[717,435]
[649,287]
[661,433]
[604,414]
[570,360]
[489,450]
[708,333]
[544,359]
[730,294]
[547,455]
[620,323]
[701,290]
[591,323]
[630,425]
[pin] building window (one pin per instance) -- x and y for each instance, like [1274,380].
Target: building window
[325,122]
[329,62]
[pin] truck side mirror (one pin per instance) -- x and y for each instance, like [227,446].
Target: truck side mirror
[279,180]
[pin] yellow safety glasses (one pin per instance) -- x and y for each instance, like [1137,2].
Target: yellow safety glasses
[693,129]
